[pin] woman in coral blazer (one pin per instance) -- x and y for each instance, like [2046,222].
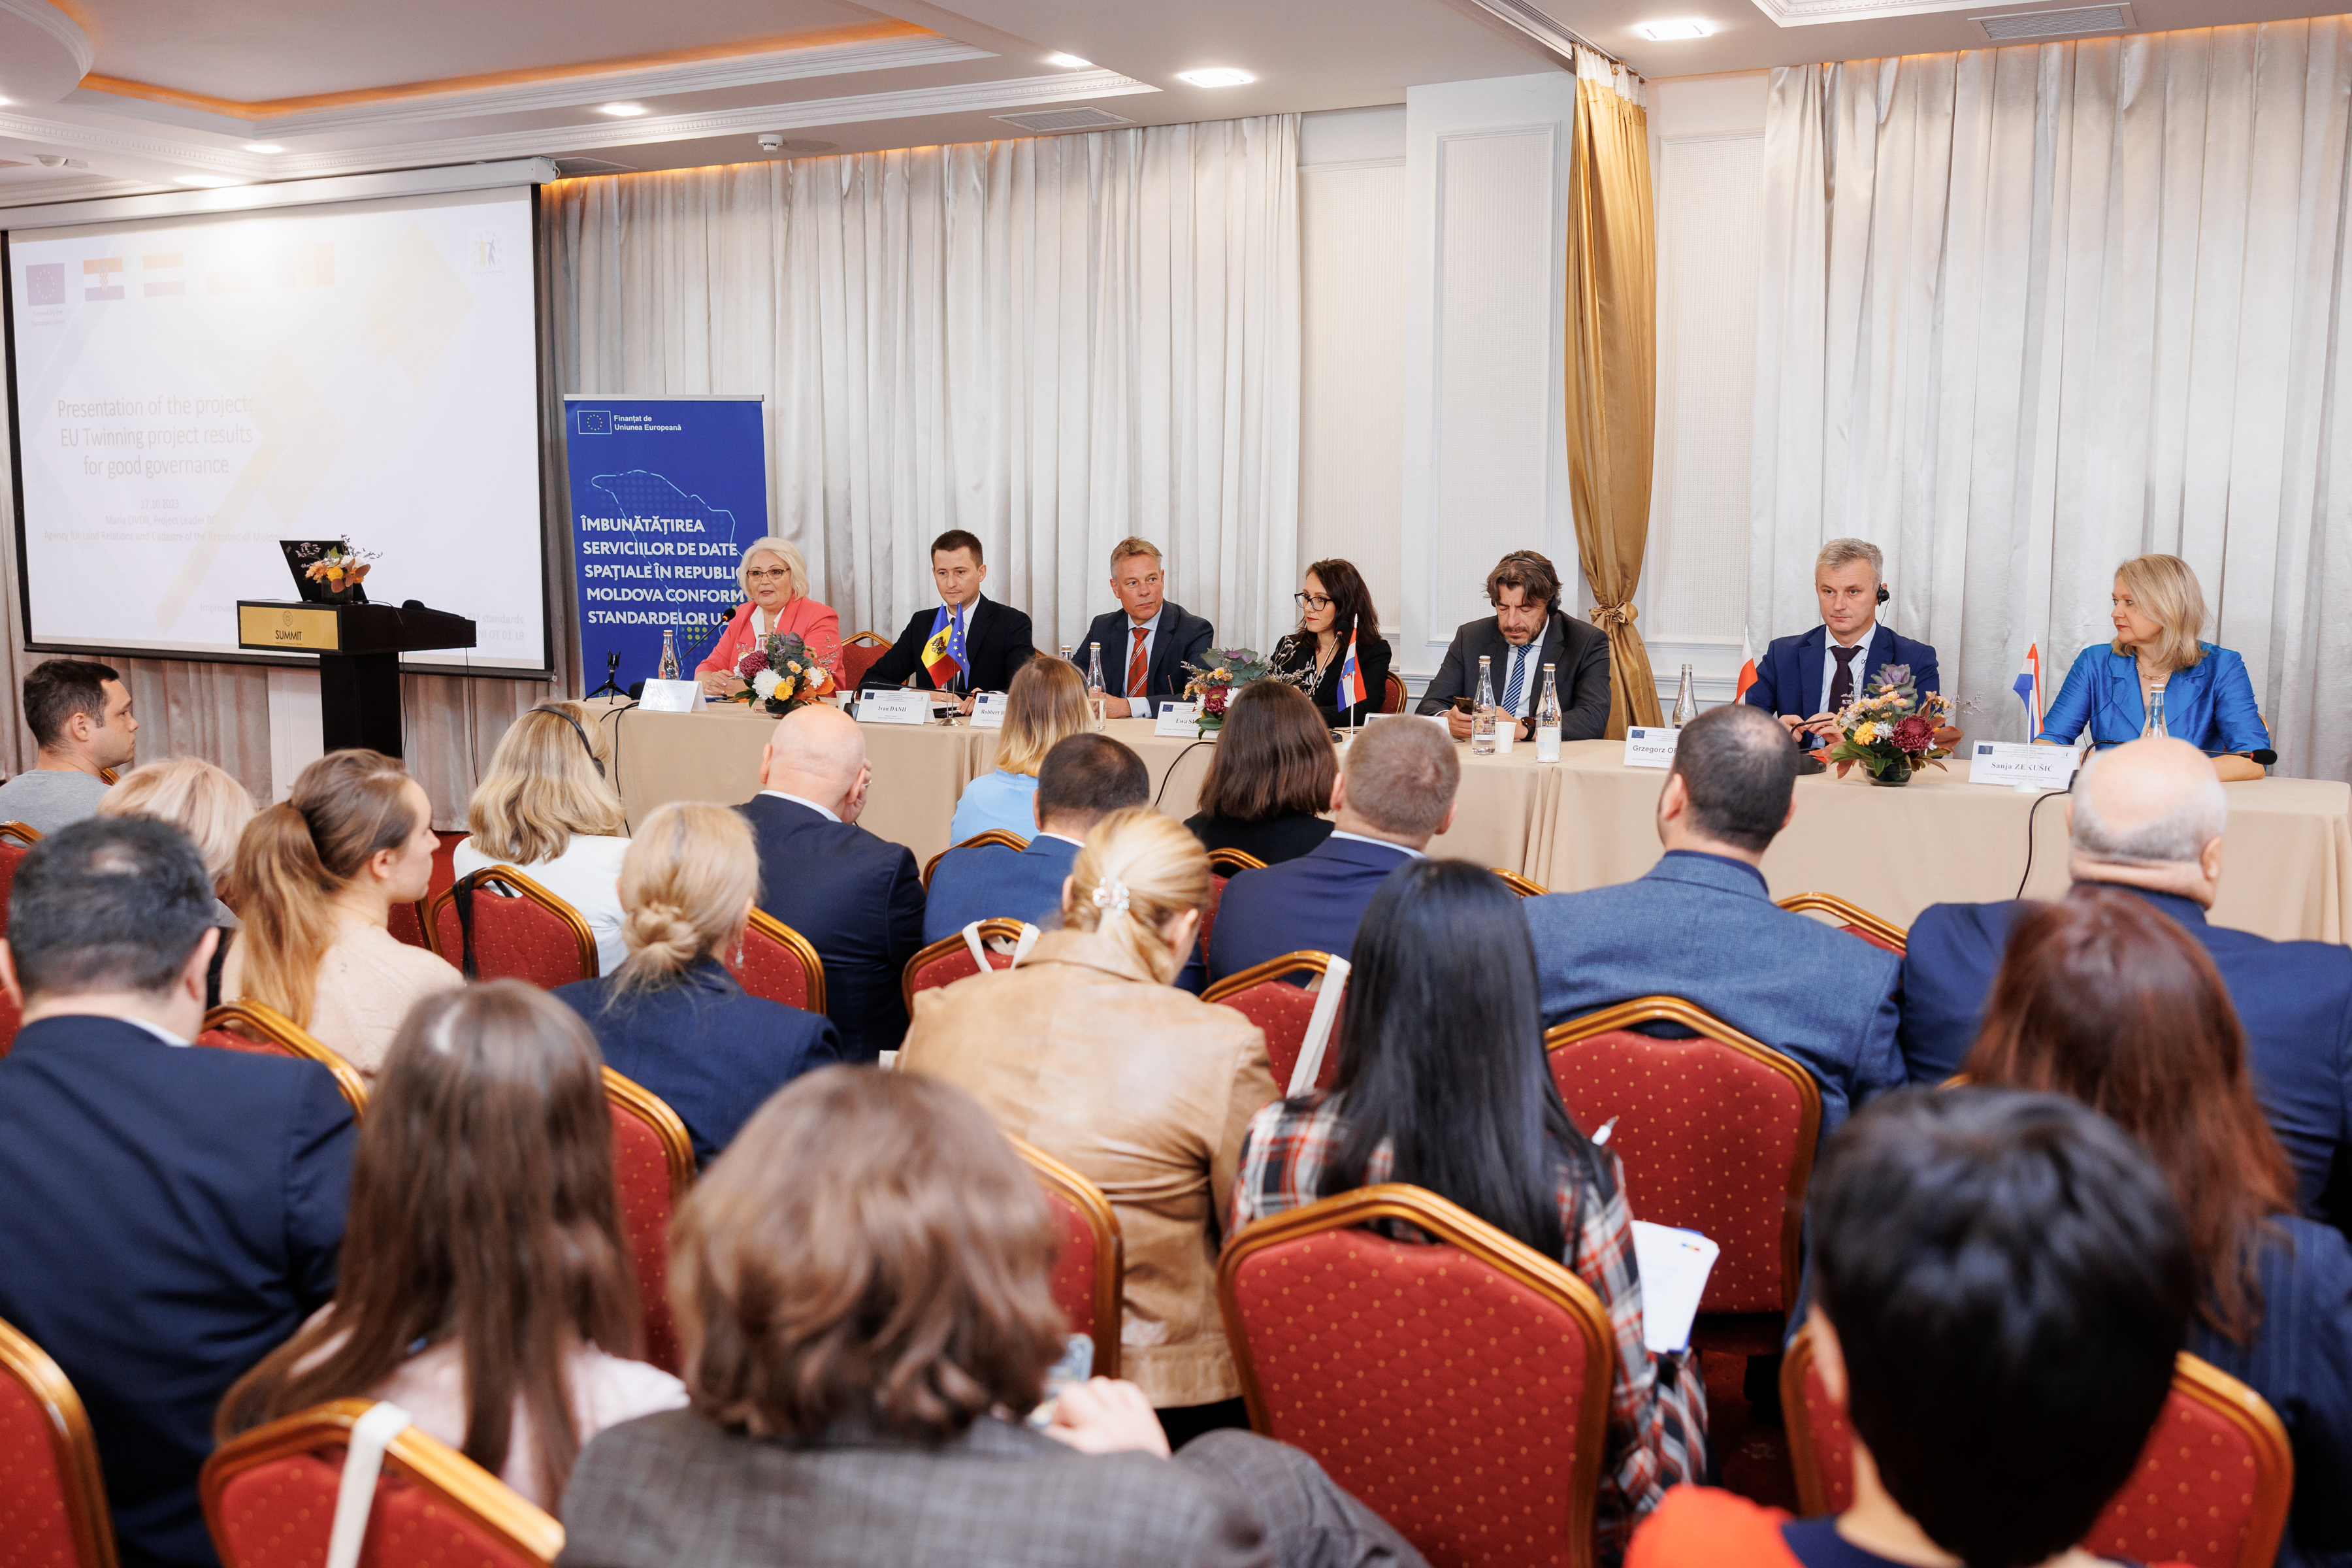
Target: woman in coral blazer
[774,576]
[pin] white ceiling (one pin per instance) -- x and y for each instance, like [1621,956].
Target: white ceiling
[172,88]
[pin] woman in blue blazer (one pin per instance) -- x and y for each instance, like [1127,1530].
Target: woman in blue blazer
[2159,611]
[671,1017]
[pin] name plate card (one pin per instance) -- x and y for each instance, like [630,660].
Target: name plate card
[2021,767]
[988,710]
[900,705]
[671,695]
[1180,720]
[1651,747]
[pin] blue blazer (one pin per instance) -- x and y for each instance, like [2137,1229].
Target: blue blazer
[858,899]
[713,1051]
[990,881]
[1703,927]
[2210,704]
[1312,902]
[173,1215]
[1183,639]
[2294,999]
[1789,675]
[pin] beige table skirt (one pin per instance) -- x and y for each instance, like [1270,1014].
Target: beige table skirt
[1590,820]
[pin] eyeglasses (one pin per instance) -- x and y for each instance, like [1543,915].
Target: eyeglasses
[1312,601]
[767,574]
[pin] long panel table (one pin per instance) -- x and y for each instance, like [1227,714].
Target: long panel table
[1590,820]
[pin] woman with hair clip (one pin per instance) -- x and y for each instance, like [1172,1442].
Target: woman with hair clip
[547,809]
[1334,605]
[671,1016]
[1443,1084]
[490,1296]
[1086,1051]
[2102,998]
[316,878]
[1046,703]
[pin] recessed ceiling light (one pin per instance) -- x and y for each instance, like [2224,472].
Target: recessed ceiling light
[263,147]
[1216,76]
[1666,32]
[1070,60]
[621,110]
[205,181]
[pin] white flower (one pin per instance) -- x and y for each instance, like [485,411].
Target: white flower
[764,685]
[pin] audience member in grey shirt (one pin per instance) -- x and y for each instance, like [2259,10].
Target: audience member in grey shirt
[79,713]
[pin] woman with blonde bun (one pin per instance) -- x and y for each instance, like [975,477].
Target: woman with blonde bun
[670,1017]
[1086,1051]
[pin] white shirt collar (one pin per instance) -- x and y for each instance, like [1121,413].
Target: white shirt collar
[1383,843]
[802,800]
[157,1030]
[1868,632]
[1063,836]
[1151,625]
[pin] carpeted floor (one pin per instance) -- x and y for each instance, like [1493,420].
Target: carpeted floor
[1754,1455]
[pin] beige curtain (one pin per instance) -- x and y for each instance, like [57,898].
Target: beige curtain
[1613,365]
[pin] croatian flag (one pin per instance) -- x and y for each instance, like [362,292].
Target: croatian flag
[1351,679]
[1747,666]
[943,654]
[2028,687]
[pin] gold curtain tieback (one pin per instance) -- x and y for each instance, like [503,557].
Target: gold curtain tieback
[1607,615]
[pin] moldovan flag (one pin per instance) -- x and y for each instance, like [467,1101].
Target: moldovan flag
[1747,666]
[2028,687]
[1351,679]
[943,655]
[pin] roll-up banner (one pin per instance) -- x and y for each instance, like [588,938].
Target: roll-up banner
[666,491]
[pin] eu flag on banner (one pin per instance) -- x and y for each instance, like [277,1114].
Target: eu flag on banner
[1351,679]
[943,655]
[2028,687]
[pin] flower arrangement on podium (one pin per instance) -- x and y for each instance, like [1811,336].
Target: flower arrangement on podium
[781,675]
[340,571]
[1213,683]
[1891,731]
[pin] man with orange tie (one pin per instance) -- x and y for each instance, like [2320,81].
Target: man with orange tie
[1145,642]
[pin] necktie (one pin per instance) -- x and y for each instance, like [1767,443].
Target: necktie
[1841,683]
[1135,663]
[1518,677]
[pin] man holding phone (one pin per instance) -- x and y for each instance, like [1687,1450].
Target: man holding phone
[1527,631]
[1804,680]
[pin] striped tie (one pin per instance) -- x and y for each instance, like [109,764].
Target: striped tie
[1135,663]
[1519,675]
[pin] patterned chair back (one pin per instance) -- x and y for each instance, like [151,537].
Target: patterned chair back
[524,932]
[53,1510]
[1222,865]
[1266,995]
[264,1031]
[780,963]
[859,653]
[1392,693]
[950,959]
[1717,1133]
[1849,918]
[1090,1266]
[2211,1488]
[1481,1447]
[269,1499]
[997,836]
[653,1166]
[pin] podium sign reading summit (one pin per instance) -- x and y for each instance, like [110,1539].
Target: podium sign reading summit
[296,628]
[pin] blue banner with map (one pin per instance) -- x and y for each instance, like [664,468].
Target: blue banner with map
[666,491]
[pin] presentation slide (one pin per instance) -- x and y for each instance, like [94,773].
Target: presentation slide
[190,391]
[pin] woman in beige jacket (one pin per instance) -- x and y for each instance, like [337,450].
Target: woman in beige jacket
[1088,1052]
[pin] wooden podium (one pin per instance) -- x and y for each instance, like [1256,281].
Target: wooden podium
[359,649]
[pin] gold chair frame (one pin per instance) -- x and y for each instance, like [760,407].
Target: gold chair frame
[1526,887]
[22,833]
[269,1025]
[1305,959]
[1111,1249]
[799,947]
[1227,862]
[71,1444]
[1012,841]
[1847,913]
[994,930]
[589,967]
[678,1146]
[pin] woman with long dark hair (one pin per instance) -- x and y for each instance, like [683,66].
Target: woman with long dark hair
[1333,608]
[1269,778]
[1443,1084]
[2102,998]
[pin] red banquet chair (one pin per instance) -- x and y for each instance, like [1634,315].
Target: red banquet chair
[653,1166]
[265,1032]
[998,835]
[2211,1488]
[1276,997]
[408,922]
[1849,918]
[53,1511]
[1718,1135]
[1482,1445]
[860,652]
[1392,693]
[15,838]
[523,933]
[1224,864]
[950,959]
[779,963]
[1090,1266]
[269,1499]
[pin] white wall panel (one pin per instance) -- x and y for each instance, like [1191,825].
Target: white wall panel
[1351,402]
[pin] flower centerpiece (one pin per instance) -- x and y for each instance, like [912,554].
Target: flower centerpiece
[1891,730]
[1213,682]
[340,570]
[781,675]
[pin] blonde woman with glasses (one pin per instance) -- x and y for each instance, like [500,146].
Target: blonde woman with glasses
[547,809]
[1046,705]
[774,577]
[2157,678]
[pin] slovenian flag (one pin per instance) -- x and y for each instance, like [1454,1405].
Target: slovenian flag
[2028,687]
[1747,666]
[1352,679]
[943,655]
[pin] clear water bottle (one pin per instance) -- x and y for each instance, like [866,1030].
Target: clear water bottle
[1548,720]
[1482,710]
[669,655]
[1685,700]
[2155,725]
[1096,703]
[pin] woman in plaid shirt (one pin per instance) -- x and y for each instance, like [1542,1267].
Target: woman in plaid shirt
[1443,1084]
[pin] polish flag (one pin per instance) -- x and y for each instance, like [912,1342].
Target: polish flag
[1747,666]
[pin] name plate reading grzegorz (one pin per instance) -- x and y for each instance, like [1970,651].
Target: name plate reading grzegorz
[1179,721]
[900,705]
[988,710]
[1651,747]
[2021,767]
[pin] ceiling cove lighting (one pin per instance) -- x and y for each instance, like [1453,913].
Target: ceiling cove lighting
[263,147]
[1668,32]
[1216,76]
[1071,62]
[621,110]
[205,181]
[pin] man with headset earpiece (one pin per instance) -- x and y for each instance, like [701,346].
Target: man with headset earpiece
[1804,680]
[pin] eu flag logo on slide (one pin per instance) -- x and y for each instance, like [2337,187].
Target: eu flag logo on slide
[592,421]
[46,284]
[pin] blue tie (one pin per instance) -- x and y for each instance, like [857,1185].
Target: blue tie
[1511,687]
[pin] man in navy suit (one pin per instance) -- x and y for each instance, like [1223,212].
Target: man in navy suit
[1394,793]
[1804,680]
[1702,924]
[1084,779]
[996,639]
[858,898]
[2147,817]
[1145,642]
[173,1212]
